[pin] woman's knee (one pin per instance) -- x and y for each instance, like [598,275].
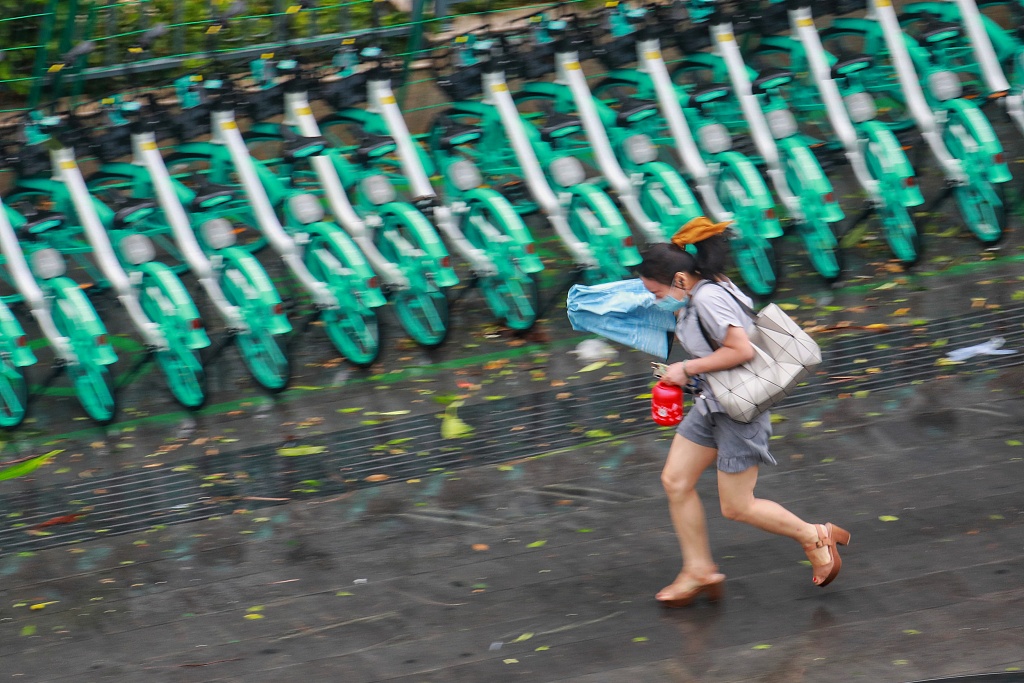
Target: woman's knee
[677,484]
[735,510]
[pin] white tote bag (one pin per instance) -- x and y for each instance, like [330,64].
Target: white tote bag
[783,355]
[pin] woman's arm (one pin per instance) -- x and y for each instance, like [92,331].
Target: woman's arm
[736,349]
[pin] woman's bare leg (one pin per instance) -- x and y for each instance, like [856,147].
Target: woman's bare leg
[686,462]
[736,493]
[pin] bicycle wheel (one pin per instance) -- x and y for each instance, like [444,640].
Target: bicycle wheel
[423,314]
[754,255]
[590,229]
[259,348]
[72,314]
[901,234]
[979,204]
[511,294]
[181,366]
[94,387]
[822,247]
[353,328]
[512,298]
[816,232]
[13,394]
[981,210]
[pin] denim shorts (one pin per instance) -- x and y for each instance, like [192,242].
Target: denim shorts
[740,445]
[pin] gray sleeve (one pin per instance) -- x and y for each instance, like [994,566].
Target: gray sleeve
[718,311]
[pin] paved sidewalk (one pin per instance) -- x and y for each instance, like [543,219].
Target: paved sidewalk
[545,569]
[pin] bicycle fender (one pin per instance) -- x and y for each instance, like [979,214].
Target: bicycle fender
[81,310]
[263,131]
[252,270]
[512,225]
[426,238]
[14,341]
[811,177]
[344,248]
[185,308]
[46,186]
[120,170]
[883,145]
[744,170]
[854,25]
[980,129]
[369,121]
[637,79]
[473,109]
[218,157]
[199,150]
[749,176]
[676,188]
[611,219]
[556,92]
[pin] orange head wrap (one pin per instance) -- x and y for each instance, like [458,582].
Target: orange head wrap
[696,230]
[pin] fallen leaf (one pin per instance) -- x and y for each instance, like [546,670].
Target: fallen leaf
[378,477]
[900,311]
[480,547]
[294,451]
[23,467]
[452,426]
[594,366]
[536,544]
[889,518]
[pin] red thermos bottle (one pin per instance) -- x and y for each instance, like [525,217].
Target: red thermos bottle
[667,404]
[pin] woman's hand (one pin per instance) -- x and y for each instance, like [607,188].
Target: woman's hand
[676,374]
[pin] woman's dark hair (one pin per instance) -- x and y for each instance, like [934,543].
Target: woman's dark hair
[662,261]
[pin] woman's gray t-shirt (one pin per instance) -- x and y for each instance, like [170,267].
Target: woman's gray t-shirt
[718,311]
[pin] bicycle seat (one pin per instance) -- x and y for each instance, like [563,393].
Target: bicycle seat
[38,220]
[127,209]
[849,63]
[299,147]
[454,133]
[631,110]
[705,94]
[210,195]
[559,125]
[372,146]
[937,31]
[773,78]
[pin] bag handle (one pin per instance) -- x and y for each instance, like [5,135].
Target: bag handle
[703,330]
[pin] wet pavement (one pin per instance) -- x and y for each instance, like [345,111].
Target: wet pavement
[544,568]
[491,510]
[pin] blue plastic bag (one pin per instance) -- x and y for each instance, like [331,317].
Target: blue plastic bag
[622,312]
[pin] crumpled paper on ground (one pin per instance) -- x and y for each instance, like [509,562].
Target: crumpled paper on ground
[993,347]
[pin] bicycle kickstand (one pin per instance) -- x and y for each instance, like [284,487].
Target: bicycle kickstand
[215,352]
[574,277]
